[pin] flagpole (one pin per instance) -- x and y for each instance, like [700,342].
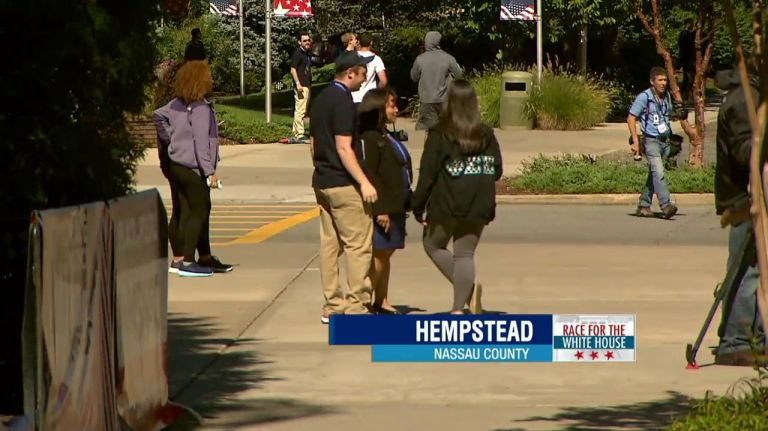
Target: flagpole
[242,56]
[539,39]
[268,56]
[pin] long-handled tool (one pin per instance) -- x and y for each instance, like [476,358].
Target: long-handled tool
[725,290]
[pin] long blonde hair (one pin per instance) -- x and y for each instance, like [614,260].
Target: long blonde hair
[193,81]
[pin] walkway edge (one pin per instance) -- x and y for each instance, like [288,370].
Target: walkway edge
[600,199]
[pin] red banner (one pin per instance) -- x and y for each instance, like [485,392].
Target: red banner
[293,8]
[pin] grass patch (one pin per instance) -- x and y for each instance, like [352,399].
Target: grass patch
[577,174]
[488,89]
[247,126]
[742,408]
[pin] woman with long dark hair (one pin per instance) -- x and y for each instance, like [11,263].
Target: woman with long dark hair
[456,194]
[387,164]
[189,154]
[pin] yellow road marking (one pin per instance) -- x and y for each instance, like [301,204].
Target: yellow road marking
[217,206]
[239,222]
[237,229]
[265,232]
[254,212]
[236,217]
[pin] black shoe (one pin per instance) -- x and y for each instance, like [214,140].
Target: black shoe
[741,358]
[215,264]
[669,211]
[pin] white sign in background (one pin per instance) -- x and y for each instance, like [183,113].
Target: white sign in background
[598,338]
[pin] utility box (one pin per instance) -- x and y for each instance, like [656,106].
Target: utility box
[514,93]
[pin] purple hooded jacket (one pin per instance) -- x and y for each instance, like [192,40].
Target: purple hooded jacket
[188,135]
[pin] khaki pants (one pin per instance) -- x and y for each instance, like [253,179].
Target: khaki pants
[300,111]
[346,226]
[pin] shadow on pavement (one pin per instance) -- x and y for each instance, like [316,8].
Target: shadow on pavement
[653,415]
[209,383]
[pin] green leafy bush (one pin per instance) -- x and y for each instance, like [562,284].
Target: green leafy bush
[742,408]
[577,174]
[80,67]
[246,126]
[319,75]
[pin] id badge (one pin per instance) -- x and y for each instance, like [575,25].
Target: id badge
[662,128]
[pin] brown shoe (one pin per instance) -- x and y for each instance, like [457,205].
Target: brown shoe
[644,212]
[669,211]
[741,358]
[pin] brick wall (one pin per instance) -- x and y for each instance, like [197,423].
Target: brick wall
[143,129]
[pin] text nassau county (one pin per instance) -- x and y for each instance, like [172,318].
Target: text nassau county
[481,353]
[481,331]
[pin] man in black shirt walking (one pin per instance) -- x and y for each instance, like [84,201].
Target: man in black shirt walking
[301,72]
[342,190]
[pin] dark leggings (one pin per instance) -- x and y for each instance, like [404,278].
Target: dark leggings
[189,226]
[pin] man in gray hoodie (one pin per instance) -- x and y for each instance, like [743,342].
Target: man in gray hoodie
[434,70]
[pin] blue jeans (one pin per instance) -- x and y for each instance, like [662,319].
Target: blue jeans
[656,152]
[743,320]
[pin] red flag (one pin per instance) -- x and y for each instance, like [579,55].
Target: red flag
[293,8]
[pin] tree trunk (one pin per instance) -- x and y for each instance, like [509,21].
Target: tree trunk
[694,132]
[583,49]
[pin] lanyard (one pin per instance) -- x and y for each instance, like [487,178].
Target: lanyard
[400,150]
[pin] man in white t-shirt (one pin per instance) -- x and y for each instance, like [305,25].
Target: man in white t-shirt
[377,75]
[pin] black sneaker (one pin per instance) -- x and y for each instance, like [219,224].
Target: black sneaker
[669,211]
[215,264]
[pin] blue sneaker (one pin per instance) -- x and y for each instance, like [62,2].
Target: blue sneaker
[174,268]
[194,270]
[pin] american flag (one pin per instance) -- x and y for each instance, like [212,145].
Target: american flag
[224,7]
[518,10]
[293,8]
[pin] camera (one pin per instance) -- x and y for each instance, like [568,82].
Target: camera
[400,135]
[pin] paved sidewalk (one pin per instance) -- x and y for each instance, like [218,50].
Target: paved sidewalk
[280,172]
[278,372]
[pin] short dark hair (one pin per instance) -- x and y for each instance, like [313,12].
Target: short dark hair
[657,71]
[688,21]
[366,39]
[303,33]
[195,32]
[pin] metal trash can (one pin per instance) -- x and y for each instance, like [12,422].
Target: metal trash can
[514,93]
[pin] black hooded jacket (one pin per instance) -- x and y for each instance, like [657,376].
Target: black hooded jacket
[734,135]
[456,186]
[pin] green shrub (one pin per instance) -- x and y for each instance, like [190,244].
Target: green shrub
[577,174]
[80,68]
[563,101]
[319,75]
[488,88]
[742,408]
[250,127]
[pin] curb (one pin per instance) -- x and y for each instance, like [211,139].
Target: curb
[600,199]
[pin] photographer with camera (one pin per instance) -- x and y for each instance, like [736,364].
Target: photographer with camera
[654,110]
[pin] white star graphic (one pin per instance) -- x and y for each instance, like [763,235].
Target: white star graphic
[296,7]
[280,10]
[305,13]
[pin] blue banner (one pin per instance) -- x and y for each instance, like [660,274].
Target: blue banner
[441,329]
[462,353]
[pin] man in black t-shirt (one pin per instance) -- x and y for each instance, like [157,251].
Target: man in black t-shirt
[301,72]
[342,190]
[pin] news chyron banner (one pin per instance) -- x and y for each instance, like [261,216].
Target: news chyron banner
[489,338]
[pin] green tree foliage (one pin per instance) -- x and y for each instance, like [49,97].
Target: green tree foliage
[72,72]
